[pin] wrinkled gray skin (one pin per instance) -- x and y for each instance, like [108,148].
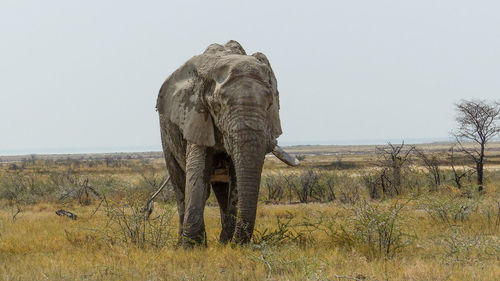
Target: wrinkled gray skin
[219,117]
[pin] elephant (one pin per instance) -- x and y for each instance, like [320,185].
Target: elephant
[219,117]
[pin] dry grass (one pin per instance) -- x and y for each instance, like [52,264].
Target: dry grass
[39,245]
[42,246]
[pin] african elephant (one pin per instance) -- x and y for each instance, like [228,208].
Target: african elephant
[219,118]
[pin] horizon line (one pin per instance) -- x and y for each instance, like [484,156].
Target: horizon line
[156,148]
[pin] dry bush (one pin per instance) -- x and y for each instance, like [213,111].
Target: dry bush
[21,189]
[284,233]
[325,189]
[449,209]
[347,189]
[287,231]
[431,164]
[463,245]
[393,163]
[275,186]
[373,230]
[127,223]
[489,208]
[72,187]
[305,184]
[372,182]
[150,181]
[459,173]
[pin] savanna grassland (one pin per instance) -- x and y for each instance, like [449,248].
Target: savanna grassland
[347,213]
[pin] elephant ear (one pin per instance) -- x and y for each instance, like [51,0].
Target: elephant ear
[274,116]
[181,99]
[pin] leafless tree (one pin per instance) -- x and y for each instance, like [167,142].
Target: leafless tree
[431,163]
[458,174]
[32,159]
[477,123]
[392,159]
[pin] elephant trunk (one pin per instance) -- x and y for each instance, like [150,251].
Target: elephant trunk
[248,161]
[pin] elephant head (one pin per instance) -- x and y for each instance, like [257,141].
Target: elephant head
[228,100]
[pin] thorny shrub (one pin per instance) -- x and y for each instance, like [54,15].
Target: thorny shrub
[151,179]
[275,186]
[310,185]
[459,244]
[448,208]
[373,230]
[491,210]
[326,187]
[24,188]
[128,223]
[287,231]
[305,184]
[347,189]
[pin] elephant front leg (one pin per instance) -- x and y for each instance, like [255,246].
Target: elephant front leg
[178,178]
[195,196]
[227,205]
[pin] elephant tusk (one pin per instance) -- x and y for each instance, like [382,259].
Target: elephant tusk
[285,157]
[148,209]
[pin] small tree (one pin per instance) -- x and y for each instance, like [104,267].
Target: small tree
[393,160]
[431,163]
[477,123]
[458,174]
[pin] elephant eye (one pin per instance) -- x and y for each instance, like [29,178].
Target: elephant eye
[216,108]
[213,104]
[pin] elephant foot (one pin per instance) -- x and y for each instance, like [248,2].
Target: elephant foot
[179,243]
[228,226]
[225,237]
[243,233]
[190,243]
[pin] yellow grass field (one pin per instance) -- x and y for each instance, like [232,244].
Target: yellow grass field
[41,246]
[448,234]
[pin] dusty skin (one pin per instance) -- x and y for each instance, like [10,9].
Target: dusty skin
[219,117]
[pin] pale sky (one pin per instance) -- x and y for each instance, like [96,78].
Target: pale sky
[85,74]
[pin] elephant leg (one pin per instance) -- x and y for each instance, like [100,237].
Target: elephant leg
[174,150]
[197,178]
[178,178]
[227,205]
